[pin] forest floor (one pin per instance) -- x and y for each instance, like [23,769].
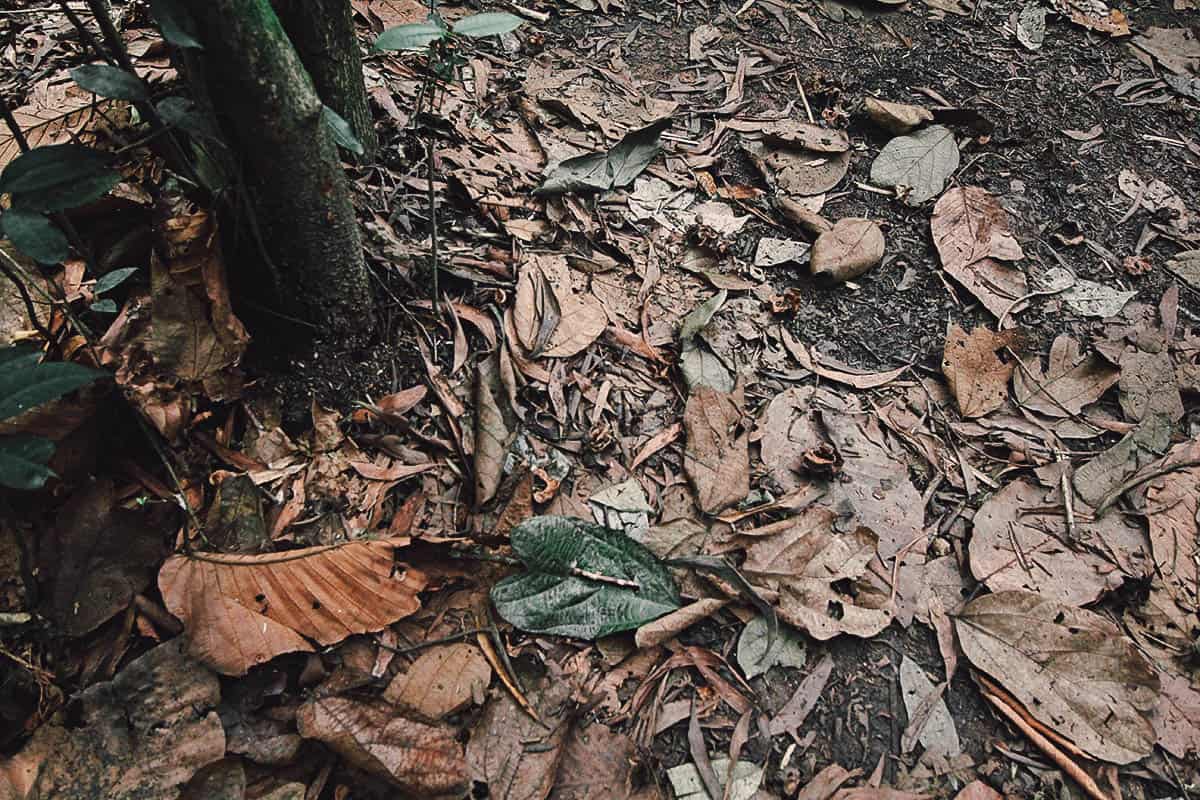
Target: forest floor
[873,346]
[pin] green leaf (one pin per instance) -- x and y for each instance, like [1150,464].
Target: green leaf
[176,23]
[343,134]
[490,23]
[35,236]
[111,280]
[23,460]
[69,194]
[584,580]
[44,167]
[111,82]
[104,306]
[18,356]
[180,112]
[634,152]
[30,385]
[414,36]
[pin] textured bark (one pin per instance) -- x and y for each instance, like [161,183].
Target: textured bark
[323,34]
[267,104]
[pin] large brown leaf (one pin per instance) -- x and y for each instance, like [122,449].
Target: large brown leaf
[1172,503]
[441,681]
[421,759]
[970,230]
[717,456]
[239,611]
[977,377]
[1069,382]
[1070,668]
[553,317]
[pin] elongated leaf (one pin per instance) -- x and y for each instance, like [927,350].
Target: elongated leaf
[588,173]
[23,460]
[920,162]
[180,112]
[44,167]
[489,23]
[175,22]
[343,134]
[414,36]
[111,82]
[68,194]
[110,280]
[584,580]
[634,152]
[35,235]
[18,357]
[104,306]
[31,385]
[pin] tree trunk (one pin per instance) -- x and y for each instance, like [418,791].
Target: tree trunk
[297,189]
[323,34]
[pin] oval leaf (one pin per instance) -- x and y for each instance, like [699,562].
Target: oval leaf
[110,280]
[176,24]
[23,460]
[920,162]
[30,385]
[850,248]
[35,235]
[414,36]
[45,167]
[111,82]
[491,23]
[343,134]
[584,580]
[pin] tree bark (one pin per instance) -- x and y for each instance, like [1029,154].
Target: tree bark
[299,194]
[323,34]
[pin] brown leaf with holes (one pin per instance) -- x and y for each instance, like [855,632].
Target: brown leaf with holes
[1069,381]
[441,681]
[717,456]
[239,611]
[971,231]
[421,759]
[978,378]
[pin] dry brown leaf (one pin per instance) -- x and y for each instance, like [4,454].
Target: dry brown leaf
[977,377]
[811,361]
[796,710]
[665,628]
[826,782]
[1147,385]
[814,569]
[1020,541]
[978,790]
[1172,504]
[239,611]
[804,135]
[876,793]
[424,760]
[441,681]
[58,110]
[597,764]
[655,443]
[1178,717]
[971,231]
[553,318]
[1177,49]
[1069,382]
[495,428]
[717,456]
[850,248]
[896,118]
[1071,669]
[804,173]
[140,736]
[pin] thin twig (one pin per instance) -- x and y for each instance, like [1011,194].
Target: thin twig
[89,40]
[433,228]
[27,300]
[13,127]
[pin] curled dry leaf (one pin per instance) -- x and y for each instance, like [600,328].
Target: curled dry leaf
[1072,670]
[717,456]
[970,230]
[816,363]
[919,163]
[441,681]
[239,611]
[552,318]
[803,701]
[803,173]
[1069,382]
[896,118]
[495,428]
[421,759]
[669,626]
[977,377]
[850,248]
[805,135]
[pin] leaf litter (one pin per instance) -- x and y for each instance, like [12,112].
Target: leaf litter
[842,454]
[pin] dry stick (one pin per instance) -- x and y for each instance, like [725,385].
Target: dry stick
[433,231]
[86,35]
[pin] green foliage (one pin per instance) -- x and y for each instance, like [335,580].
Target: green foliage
[26,384]
[599,172]
[343,134]
[414,36]
[176,24]
[584,580]
[107,282]
[35,235]
[489,23]
[111,82]
[419,35]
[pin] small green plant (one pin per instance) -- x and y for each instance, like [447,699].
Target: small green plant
[440,38]
[26,384]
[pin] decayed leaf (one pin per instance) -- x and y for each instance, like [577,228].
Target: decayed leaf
[805,135]
[140,736]
[598,763]
[753,655]
[441,681]
[552,319]
[699,364]
[1091,299]
[978,790]
[804,173]
[802,702]
[717,456]
[422,759]
[1105,473]
[970,230]
[668,627]
[1095,15]
[1147,385]
[688,785]
[773,252]
[1177,49]
[849,249]
[895,118]
[814,570]
[1020,541]
[495,428]
[937,734]
[1172,504]
[977,377]
[1071,669]
[1069,382]
[816,363]
[57,110]
[1178,717]
[920,163]
[239,611]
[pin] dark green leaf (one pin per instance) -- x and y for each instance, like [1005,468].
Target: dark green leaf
[180,112]
[110,280]
[490,23]
[104,306]
[111,82]
[18,356]
[69,194]
[414,36]
[588,173]
[175,22]
[343,134]
[584,580]
[23,460]
[31,385]
[634,152]
[35,235]
[44,167]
